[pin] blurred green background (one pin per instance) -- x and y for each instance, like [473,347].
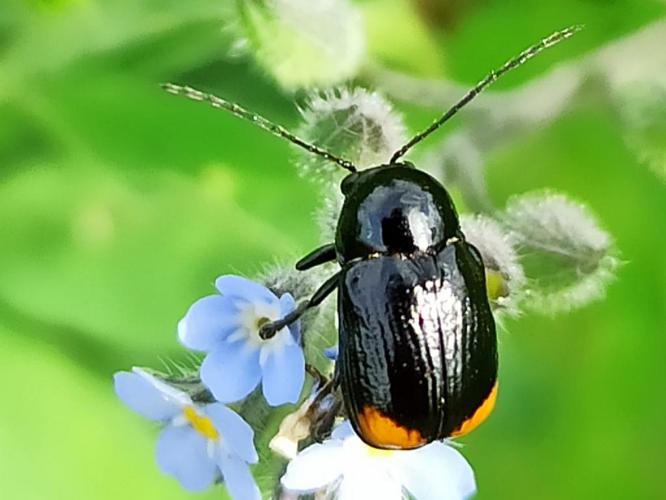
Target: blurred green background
[119,205]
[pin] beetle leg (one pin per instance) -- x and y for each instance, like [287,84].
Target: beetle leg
[317,257]
[269,329]
[312,421]
[327,405]
[319,377]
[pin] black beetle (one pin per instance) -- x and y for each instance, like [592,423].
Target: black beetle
[418,348]
[418,354]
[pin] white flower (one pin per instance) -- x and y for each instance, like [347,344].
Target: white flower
[351,470]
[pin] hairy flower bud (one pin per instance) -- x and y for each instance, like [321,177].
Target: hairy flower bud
[504,274]
[568,259]
[302,43]
[357,125]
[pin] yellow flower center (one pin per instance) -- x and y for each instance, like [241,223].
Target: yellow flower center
[201,424]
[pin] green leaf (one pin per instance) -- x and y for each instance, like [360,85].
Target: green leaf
[130,256]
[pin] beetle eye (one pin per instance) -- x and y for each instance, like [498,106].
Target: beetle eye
[348,182]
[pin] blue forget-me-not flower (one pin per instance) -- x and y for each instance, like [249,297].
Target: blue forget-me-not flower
[199,443]
[226,326]
[346,466]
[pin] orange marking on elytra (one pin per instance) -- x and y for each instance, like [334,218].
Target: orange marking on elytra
[479,415]
[381,431]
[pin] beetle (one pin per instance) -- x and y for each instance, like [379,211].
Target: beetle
[418,348]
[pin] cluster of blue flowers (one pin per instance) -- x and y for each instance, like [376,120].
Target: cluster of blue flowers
[201,443]
[204,442]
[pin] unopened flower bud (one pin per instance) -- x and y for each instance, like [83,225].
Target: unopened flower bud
[504,274]
[302,43]
[568,259]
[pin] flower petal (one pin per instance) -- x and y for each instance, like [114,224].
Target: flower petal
[314,468]
[238,479]
[283,373]
[182,453]
[371,481]
[234,431]
[208,322]
[332,352]
[287,305]
[436,471]
[343,431]
[150,400]
[231,371]
[242,288]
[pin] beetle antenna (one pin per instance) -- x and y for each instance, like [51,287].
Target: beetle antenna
[260,121]
[493,76]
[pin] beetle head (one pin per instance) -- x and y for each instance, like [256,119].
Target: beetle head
[393,208]
[362,176]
